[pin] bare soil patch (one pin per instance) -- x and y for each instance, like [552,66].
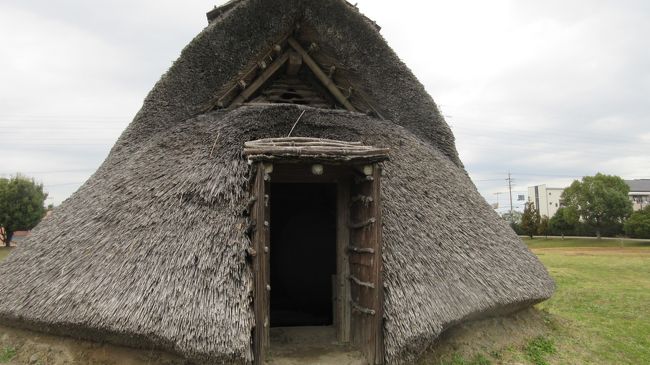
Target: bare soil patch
[40,349]
[489,336]
[310,345]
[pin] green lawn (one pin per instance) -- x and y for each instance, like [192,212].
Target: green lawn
[600,313]
[603,303]
[4,252]
[582,242]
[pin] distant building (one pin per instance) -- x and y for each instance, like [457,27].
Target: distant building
[547,200]
[639,193]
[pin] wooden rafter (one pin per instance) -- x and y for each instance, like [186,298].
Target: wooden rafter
[322,77]
[255,85]
[293,56]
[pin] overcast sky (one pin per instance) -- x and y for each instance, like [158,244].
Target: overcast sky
[549,90]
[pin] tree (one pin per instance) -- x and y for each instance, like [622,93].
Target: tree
[514,220]
[599,200]
[563,221]
[515,217]
[543,227]
[530,219]
[638,225]
[21,205]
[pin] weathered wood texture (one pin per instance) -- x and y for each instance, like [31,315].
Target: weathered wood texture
[329,84]
[260,80]
[366,266]
[269,70]
[312,148]
[292,90]
[260,218]
[343,263]
[378,322]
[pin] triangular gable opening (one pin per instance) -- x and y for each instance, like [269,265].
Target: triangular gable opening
[295,89]
[294,71]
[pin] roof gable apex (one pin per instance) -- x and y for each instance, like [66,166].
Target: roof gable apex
[235,39]
[296,56]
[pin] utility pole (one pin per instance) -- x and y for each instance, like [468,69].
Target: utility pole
[497,194]
[510,193]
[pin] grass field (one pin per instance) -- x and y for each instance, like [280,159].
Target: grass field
[602,300]
[583,242]
[600,313]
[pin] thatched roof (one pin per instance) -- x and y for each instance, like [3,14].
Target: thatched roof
[151,250]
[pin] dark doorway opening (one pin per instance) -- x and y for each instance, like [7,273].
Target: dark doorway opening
[303,254]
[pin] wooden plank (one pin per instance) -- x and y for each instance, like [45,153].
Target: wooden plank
[301,139]
[357,263]
[378,320]
[366,265]
[327,82]
[317,147]
[295,62]
[320,159]
[260,80]
[266,257]
[342,151]
[343,265]
[260,267]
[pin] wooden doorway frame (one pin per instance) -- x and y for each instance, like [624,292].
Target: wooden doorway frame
[358,312]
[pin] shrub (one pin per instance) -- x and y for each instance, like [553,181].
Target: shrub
[638,225]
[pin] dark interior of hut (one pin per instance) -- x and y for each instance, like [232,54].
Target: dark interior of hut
[303,254]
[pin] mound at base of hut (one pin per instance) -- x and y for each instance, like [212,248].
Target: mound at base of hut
[27,347]
[466,340]
[487,338]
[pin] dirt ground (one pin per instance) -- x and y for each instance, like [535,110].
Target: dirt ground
[288,348]
[310,345]
[488,335]
[39,349]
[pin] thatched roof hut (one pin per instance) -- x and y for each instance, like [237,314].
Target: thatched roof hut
[167,244]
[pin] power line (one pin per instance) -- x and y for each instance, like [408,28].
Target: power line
[64,184]
[49,172]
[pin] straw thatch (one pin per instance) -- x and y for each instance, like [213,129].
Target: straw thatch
[151,250]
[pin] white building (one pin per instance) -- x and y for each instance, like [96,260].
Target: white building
[546,200]
[639,193]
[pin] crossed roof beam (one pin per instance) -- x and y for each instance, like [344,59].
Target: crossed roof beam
[293,55]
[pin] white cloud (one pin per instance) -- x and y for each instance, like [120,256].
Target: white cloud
[548,90]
